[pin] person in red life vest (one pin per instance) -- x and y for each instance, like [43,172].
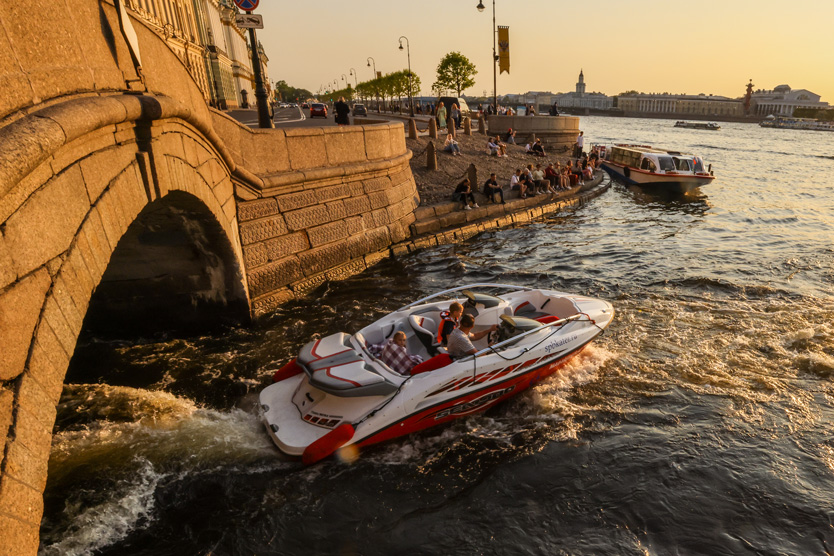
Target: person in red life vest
[449,320]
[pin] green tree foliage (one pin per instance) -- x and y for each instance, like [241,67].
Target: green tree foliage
[455,72]
[818,113]
[288,93]
[389,85]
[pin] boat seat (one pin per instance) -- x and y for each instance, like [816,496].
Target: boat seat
[425,329]
[528,310]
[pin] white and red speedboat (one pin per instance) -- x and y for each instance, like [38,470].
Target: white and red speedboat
[654,168]
[336,393]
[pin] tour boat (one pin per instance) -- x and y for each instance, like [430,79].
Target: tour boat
[698,125]
[337,393]
[659,169]
[809,124]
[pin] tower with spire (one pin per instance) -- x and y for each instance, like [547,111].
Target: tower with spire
[580,85]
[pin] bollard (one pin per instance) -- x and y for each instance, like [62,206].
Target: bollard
[412,128]
[431,156]
[450,127]
[433,128]
[472,174]
[532,138]
[481,125]
[467,126]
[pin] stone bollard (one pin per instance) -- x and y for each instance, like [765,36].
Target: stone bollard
[467,126]
[472,174]
[533,139]
[412,128]
[450,127]
[481,125]
[433,128]
[431,156]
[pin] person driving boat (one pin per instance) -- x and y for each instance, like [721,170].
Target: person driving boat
[461,338]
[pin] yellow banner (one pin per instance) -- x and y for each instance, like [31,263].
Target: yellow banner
[503,49]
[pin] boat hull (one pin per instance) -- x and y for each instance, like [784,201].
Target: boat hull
[678,183]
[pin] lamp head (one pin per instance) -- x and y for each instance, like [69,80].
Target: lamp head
[401,45]
[369,64]
[480,6]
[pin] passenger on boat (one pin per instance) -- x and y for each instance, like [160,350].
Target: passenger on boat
[461,338]
[396,356]
[449,320]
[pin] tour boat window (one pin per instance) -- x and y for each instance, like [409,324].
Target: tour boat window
[648,164]
[666,163]
[682,164]
[699,165]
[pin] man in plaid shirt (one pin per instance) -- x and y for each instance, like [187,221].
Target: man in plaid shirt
[395,355]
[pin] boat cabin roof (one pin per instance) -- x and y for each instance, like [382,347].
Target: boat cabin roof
[644,149]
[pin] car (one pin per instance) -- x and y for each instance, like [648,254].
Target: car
[359,110]
[318,109]
[305,106]
[449,101]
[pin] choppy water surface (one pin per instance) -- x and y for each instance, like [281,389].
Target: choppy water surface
[700,423]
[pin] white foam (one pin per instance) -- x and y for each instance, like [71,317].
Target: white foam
[98,526]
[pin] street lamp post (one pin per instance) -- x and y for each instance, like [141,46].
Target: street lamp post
[355,80]
[481,8]
[370,59]
[410,87]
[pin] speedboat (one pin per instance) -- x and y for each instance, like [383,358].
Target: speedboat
[337,393]
[660,169]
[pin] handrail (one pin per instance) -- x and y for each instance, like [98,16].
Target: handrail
[523,334]
[468,287]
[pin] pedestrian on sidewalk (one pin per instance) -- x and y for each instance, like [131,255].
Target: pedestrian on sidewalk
[342,112]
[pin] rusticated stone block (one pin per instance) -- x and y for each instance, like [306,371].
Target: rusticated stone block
[402,176]
[20,308]
[445,208]
[320,259]
[368,221]
[259,208]
[378,239]
[337,211]
[426,226]
[357,205]
[18,537]
[308,284]
[286,245]
[295,201]
[381,217]
[358,246]
[346,270]
[332,193]
[274,275]
[354,225]
[20,500]
[48,363]
[377,184]
[378,199]
[255,255]
[425,242]
[35,435]
[307,217]
[328,233]
[373,258]
[45,225]
[423,213]
[261,230]
[268,303]
[398,233]
[102,167]
[356,189]
[402,249]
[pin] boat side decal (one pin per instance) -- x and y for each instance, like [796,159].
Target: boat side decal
[473,405]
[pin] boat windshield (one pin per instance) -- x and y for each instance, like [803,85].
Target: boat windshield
[699,164]
[666,163]
[648,164]
[682,164]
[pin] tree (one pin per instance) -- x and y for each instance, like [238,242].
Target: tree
[455,72]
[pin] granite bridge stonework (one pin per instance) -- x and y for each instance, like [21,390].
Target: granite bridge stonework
[125,200]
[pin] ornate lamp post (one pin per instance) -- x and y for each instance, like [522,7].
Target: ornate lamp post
[481,8]
[410,87]
[370,59]
[355,80]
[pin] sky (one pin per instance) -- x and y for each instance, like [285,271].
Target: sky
[695,46]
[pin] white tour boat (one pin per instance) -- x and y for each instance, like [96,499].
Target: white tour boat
[337,393]
[660,169]
[712,126]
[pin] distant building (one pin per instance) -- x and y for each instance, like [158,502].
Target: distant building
[581,99]
[783,100]
[203,34]
[683,105]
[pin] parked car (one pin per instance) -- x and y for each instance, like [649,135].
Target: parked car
[359,110]
[318,109]
[449,101]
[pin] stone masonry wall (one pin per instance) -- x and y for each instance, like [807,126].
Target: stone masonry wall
[333,201]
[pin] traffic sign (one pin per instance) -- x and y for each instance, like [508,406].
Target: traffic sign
[247,5]
[249,21]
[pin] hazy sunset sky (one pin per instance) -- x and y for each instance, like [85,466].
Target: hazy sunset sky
[697,46]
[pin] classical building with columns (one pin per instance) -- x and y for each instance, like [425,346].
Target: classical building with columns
[203,34]
[693,105]
[783,100]
[580,99]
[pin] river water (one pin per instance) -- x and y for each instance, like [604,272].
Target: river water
[700,423]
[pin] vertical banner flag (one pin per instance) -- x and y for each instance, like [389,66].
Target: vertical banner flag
[503,49]
[379,75]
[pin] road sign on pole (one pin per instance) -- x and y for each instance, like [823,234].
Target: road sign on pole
[249,21]
[247,5]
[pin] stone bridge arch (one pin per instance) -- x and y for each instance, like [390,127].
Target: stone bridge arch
[129,175]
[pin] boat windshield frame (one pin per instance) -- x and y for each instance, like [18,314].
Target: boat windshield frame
[460,288]
[515,339]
